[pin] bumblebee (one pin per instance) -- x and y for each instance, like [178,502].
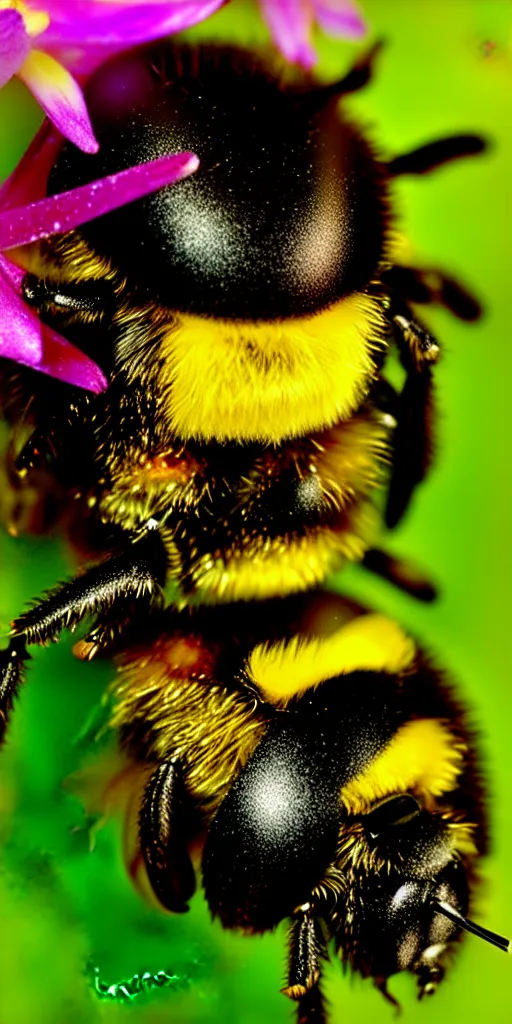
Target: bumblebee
[243,318]
[319,764]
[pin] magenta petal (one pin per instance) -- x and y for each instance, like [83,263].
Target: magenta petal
[91,23]
[68,210]
[62,360]
[26,340]
[14,43]
[20,328]
[61,98]
[340,18]
[290,23]
[83,33]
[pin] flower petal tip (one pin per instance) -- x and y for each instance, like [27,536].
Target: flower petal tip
[63,361]
[89,144]
[68,210]
[191,164]
[88,376]
[61,98]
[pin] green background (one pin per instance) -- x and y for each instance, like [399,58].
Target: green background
[447,67]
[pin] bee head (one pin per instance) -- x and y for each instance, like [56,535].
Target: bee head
[353,812]
[397,864]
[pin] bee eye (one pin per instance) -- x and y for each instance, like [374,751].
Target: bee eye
[397,810]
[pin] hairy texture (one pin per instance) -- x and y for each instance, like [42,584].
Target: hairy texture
[253,521]
[168,704]
[162,835]
[11,677]
[262,381]
[306,949]
[362,872]
[282,566]
[370,642]
[116,580]
[241,520]
[267,381]
[424,757]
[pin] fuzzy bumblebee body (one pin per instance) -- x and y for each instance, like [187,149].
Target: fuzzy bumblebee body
[254,521]
[243,318]
[236,414]
[323,766]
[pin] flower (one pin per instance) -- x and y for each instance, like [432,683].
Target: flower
[46,42]
[26,217]
[291,22]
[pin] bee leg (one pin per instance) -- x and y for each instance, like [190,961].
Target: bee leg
[412,445]
[83,308]
[429,977]
[12,663]
[382,985]
[162,826]
[304,956]
[106,631]
[412,438]
[312,1008]
[418,349]
[401,574]
[136,575]
[89,300]
[359,75]
[413,408]
[424,286]
[435,154]
[307,948]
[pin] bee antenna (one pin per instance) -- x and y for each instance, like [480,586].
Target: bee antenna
[434,154]
[476,929]
[358,76]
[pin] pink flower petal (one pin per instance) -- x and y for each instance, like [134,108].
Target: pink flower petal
[64,361]
[14,43]
[340,18]
[26,340]
[290,23]
[60,97]
[63,212]
[22,336]
[20,328]
[84,32]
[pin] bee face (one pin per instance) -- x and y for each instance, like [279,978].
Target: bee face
[286,213]
[396,863]
[280,847]
[352,809]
